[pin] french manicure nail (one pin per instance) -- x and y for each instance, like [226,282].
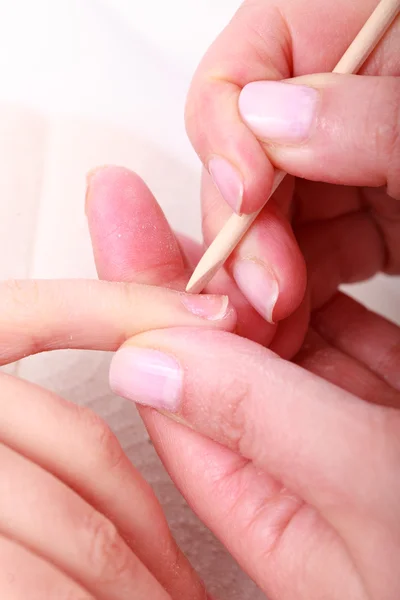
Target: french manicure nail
[213,308]
[148,377]
[228,182]
[279,112]
[258,284]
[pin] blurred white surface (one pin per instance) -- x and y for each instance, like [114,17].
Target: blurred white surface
[86,82]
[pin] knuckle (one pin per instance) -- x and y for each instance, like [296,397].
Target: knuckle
[108,557]
[233,422]
[20,301]
[104,447]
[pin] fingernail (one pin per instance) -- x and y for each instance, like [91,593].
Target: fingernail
[228,182]
[279,112]
[148,377]
[213,308]
[258,284]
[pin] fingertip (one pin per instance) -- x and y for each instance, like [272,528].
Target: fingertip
[217,309]
[131,237]
[103,180]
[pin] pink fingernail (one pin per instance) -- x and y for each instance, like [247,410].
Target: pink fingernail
[228,182]
[279,112]
[258,284]
[148,377]
[213,308]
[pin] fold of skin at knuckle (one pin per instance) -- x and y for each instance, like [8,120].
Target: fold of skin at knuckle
[106,556]
[224,417]
[102,446]
[20,301]
[128,298]
[263,506]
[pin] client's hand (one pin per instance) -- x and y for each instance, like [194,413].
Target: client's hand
[296,468]
[76,519]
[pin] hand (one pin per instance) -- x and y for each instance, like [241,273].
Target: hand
[327,128]
[296,468]
[76,519]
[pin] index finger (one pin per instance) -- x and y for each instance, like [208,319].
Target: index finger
[264,41]
[36,316]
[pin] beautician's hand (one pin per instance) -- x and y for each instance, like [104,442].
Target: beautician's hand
[334,129]
[297,466]
[76,519]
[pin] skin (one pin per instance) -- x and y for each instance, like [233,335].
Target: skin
[281,39]
[304,474]
[304,477]
[98,531]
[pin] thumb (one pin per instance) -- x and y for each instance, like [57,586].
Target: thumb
[342,129]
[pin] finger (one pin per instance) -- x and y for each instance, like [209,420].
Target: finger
[249,323]
[264,41]
[325,360]
[289,423]
[316,201]
[119,203]
[228,150]
[385,212]
[267,266]
[291,332]
[340,250]
[119,208]
[132,240]
[341,129]
[46,315]
[363,335]
[227,387]
[23,572]
[69,533]
[279,540]
[40,425]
